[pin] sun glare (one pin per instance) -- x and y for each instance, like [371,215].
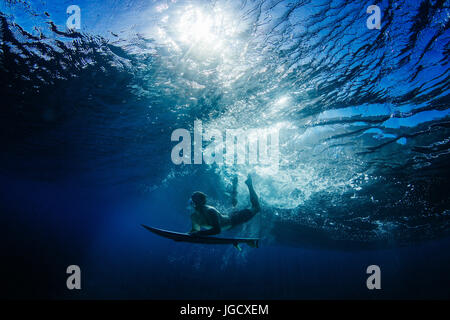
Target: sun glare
[195,26]
[206,30]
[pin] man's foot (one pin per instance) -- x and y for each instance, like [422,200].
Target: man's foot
[249,182]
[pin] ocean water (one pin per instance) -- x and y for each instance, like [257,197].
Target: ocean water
[362,176]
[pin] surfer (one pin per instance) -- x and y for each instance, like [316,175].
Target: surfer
[212,220]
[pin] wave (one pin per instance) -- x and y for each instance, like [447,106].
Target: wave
[363,114]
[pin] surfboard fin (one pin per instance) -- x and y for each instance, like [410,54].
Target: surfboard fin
[237,246]
[253,243]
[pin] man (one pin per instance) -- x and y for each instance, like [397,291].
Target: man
[212,220]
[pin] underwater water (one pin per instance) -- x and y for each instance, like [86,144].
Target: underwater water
[364,136]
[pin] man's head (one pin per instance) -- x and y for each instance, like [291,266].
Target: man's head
[198,198]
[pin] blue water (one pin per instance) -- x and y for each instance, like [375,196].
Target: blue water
[86,125]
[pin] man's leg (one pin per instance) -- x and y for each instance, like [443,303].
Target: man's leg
[253,197]
[234,191]
[242,216]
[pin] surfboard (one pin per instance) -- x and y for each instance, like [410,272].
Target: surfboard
[185,237]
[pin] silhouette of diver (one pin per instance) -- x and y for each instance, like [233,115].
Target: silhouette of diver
[208,217]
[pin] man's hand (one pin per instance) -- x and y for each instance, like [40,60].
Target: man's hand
[197,233]
[203,233]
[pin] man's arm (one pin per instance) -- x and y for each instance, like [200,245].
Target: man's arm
[214,230]
[195,226]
